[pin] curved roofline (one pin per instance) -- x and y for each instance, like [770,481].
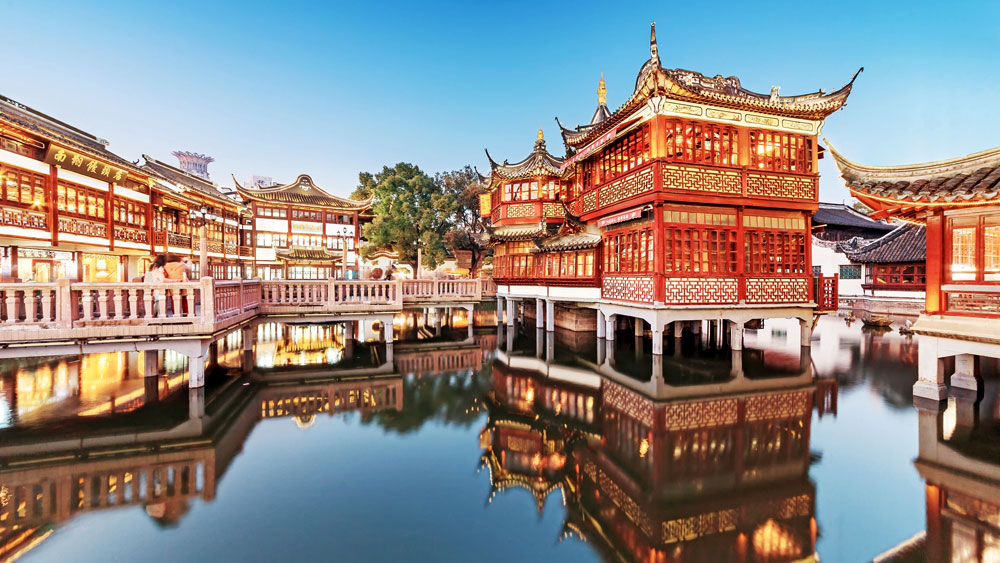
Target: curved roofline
[957,165]
[346,203]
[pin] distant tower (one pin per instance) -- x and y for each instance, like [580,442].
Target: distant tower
[260,181]
[194,163]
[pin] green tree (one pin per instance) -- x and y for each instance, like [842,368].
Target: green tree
[467,231]
[409,207]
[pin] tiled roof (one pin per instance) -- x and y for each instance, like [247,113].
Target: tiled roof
[302,191]
[569,241]
[685,85]
[157,168]
[301,253]
[537,164]
[968,179]
[52,129]
[516,232]
[907,243]
[844,216]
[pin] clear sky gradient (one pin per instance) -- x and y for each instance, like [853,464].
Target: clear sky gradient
[331,89]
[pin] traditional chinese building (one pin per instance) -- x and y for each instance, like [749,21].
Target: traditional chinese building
[956,201]
[70,208]
[693,200]
[302,232]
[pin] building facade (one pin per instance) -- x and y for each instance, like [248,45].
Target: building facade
[693,200]
[299,231]
[956,202]
[70,208]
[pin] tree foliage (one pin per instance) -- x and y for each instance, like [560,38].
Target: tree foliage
[409,207]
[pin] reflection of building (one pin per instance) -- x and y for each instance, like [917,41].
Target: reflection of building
[302,232]
[700,473]
[694,200]
[955,199]
[180,458]
[959,465]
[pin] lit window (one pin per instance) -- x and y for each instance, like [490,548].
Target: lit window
[963,254]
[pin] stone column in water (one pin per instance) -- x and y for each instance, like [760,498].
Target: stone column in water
[539,310]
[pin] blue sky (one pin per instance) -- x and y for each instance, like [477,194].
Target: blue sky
[332,89]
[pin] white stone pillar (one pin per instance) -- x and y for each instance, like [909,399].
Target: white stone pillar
[657,342]
[387,331]
[499,310]
[149,367]
[196,402]
[437,321]
[472,324]
[510,312]
[196,372]
[735,336]
[965,372]
[550,315]
[678,329]
[736,366]
[930,371]
[720,332]
[539,342]
[602,325]
[806,331]
[539,313]
[610,331]
[640,328]
[705,328]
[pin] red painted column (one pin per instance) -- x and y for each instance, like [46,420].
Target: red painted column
[53,203]
[659,246]
[935,263]
[108,206]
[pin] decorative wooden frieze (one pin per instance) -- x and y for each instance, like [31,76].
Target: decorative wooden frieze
[517,210]
[628,402]
[551,209]
[969,302]
[628,288]
[629,186]
[777,290]
[84,228]
[589,201]
[23,218]
[690,178]
[701,414]
[780,186]
[680,291]
[130,235]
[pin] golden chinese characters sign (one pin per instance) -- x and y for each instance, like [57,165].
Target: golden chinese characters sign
[82,164]
[484,205]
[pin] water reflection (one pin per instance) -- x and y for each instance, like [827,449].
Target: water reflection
[703,454]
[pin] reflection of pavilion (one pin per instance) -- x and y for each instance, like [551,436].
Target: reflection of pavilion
[711,472]
[959,461]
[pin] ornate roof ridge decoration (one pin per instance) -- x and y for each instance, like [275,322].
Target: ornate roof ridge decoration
[162,170]
[307,253]
[302,191]
[905,243]
[967,180]
[538,163]
[571,219]
[686,85]
[505,233]
[568,241]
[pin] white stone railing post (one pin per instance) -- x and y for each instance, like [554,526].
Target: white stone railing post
[208,299]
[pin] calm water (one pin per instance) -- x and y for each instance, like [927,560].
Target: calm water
[307,444]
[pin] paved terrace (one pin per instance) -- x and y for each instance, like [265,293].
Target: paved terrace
[72,311]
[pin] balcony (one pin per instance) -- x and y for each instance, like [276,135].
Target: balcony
[530,211]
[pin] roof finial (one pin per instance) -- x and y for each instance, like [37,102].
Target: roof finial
[654,54]
[541,135]
[602,91]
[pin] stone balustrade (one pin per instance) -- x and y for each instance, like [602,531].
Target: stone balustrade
[64,309]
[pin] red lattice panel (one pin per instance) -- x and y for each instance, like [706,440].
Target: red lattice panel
[589,201]
[701,180]
[628,402]
[786,187]
[701,414]
[520,210]
[777,290]
[778,406]
[628,288]
[702,291]
[631,185]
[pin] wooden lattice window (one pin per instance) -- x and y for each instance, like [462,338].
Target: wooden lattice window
[781,152]
[73,199]
[701,143]
[22,187]
[774,252]
[693,250]
[629,251]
